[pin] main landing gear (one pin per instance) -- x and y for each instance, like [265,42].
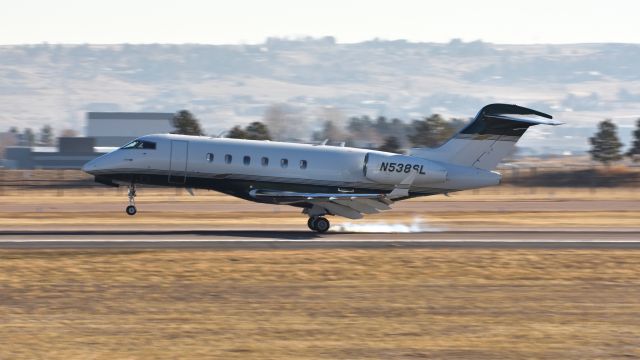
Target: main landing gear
[131,209]
[319,224]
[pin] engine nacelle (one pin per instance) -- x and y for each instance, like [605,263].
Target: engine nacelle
[395,168]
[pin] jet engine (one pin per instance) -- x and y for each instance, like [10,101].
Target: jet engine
[394,169]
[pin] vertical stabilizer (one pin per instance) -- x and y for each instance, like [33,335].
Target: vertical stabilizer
[489,138]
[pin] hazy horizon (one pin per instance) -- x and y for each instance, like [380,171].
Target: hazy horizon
[234,85]
[404,59]
[308,37]
[248,22]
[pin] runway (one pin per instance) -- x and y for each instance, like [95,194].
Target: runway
[294,239]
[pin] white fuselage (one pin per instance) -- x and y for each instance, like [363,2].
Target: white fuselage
[192,161]
[322,180]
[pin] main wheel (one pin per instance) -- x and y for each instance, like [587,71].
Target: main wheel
[311,223]
[322,225]
[131,210]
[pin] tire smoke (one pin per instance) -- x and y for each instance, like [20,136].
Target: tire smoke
[416,226]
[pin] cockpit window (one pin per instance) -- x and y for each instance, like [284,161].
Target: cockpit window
[148,145]
[140,144]
[131,145]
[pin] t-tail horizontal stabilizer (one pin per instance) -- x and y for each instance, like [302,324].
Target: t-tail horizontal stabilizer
[489,138]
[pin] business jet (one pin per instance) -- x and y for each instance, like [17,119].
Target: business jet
[320,179]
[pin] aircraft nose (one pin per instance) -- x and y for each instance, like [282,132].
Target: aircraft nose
[98,164]
[89,167]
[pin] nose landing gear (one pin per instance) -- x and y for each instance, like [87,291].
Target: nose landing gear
[131,209]
[319,224]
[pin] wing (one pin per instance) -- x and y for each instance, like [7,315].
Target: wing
[351,206]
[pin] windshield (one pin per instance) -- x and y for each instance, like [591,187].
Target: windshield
[140,144]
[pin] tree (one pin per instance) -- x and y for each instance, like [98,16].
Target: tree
[359,124]
[186,124]
[432,131]
[68,133]
[605,145]
[28,137]
[377,131]
[383,126]
[331,131]
[7,140]
[634,151]
[277,118]
[257,131]
[46,135]
[254,131]
[236,132]
[391,144]
[285,123]
[362,129]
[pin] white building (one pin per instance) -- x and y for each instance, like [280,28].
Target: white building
[119,128]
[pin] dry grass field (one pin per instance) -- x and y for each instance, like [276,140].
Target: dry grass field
[317,304]
[320,304]
[498,207]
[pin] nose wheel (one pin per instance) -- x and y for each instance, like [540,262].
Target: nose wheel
[131,209]
[319,224]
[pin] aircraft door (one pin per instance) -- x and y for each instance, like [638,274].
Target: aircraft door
[178,163]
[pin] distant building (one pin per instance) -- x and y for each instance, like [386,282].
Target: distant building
[72,153]
[7,139]
[105,131]
[119,128]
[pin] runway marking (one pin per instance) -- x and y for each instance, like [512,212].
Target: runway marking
[287,244]
[232,240]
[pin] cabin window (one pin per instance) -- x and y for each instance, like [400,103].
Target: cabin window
[303,164]
[209,157]
[264,161]
[246,160]
[284,163]
[228,158]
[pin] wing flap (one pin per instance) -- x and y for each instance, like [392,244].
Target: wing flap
[338,209]
[350,205]
[358,206]
[297,196]
[376,204]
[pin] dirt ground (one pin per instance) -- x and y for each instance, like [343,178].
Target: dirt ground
[499,207]
[320,304]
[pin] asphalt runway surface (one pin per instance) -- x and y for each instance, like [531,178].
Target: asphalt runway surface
[295,239]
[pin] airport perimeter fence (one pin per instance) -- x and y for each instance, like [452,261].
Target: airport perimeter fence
[524,179]
[56,180]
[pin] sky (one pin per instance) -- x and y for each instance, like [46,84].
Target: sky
[252,21]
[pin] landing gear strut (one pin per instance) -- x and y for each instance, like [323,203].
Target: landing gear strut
[131,209]
[319,224]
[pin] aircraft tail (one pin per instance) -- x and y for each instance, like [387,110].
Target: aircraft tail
[490,137]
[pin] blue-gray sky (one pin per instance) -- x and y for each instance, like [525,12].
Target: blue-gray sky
[245,21]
